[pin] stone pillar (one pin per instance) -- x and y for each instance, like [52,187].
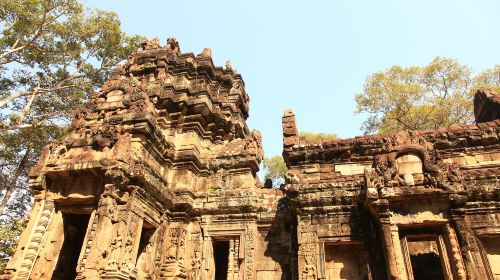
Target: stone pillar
[471,252]
[396,268]
[208,271]
[456,255]
[112,239]
[102,228]
[233,265]
[250,236]
[308,255]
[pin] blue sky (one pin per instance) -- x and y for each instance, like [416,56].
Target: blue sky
[313,56]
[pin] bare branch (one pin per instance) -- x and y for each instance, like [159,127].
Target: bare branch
[5,100]
[14,127]
[59,86]
[12,185]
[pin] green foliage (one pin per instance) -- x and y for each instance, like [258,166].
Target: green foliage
[437,95]
[53,54]
[9,232]
[275,169]
[317,136]
[489,78]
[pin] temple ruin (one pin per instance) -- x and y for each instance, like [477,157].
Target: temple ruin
[157,179]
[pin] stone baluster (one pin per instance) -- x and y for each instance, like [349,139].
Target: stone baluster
[34,245]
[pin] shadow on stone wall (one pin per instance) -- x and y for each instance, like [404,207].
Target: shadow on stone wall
[364,228]
[282,240]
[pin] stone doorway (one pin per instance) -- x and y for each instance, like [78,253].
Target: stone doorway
[145,254]
[75,228]
[221,259]
[426,257]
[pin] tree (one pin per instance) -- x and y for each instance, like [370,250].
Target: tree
[53,53]
[409,98]
[316,136]
[275,170]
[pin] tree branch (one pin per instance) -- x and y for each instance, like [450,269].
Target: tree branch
[10,188]
[59,86]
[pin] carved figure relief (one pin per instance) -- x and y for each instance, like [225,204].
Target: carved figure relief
[309,271]
[195,271]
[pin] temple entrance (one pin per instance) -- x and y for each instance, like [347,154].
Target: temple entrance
[425,257]
[75,228]
[425,260]
[145,257]
[221,258]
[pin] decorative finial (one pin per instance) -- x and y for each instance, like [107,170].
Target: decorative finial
[228,65]
[151,44]
[207,52]
[173,45]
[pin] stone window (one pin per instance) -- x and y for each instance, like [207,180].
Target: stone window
[426,257]
[344,261]
[491,245]
[409,165]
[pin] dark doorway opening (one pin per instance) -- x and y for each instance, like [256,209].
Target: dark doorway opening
[145,256]
[146,234]
[221,257]
[425,260]
[75,228]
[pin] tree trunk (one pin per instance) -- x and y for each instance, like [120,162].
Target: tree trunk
[15,177]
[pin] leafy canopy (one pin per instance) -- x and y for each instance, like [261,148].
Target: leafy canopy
[275,170]
[437,95]
[317,136]
[53,53]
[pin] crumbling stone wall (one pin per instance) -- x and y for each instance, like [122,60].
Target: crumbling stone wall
[385,195]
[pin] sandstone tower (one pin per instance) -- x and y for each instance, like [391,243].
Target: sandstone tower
[157,180]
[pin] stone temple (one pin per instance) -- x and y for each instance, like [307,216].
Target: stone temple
[157,179]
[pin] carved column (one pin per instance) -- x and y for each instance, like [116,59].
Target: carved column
[250,236]
[392,250]
[307,241]
[233,261]
[396,268]
[476,268]
[196,249]
[456,255]
[100,234]
[86,249]
[208,271]
[173,260]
